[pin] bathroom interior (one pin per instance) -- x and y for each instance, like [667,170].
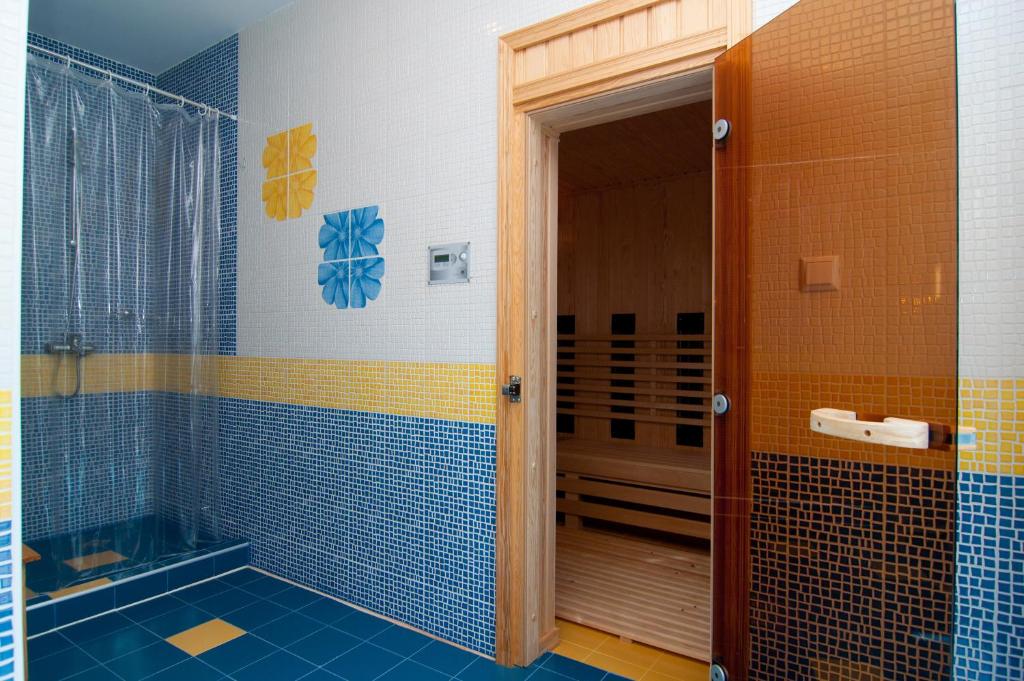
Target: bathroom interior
[255,395]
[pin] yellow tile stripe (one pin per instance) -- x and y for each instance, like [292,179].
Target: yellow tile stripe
[6,453]
[455,391]
[995,407]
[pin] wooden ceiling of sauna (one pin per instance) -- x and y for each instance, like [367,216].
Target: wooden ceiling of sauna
[652,146]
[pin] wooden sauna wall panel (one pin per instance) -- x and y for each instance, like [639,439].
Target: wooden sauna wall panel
[642,248]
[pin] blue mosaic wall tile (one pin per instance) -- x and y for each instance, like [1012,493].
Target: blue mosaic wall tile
[101,445]
[91,58]
[393,513]
[990,578]
[211,77]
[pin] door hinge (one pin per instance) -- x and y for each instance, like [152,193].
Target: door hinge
[720,131]
[513,390]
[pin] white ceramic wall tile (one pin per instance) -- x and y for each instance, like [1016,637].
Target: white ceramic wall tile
[403,100]
[990,91]
[766,10]
[13,32]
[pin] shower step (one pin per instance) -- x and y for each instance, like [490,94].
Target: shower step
[42,616]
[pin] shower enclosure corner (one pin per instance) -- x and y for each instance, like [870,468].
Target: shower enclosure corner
[119,329]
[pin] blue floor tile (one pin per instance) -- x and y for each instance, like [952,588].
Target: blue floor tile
[94,674]
[327,611]
[294,597]
[264,586]
[255,615]
[573,669]
[363,663]
[288,629]
[177,621]
[485,670]
[153,608]
[444,658]
[54,667]
[281,666]
[225,602]
[189,670]
[543,674]
[240,577]
[241,652]
[204,590]
[324,645]
[96,627]
[119,643]
[146,661]
[321,675]
[414,671]
[47,644]
[361,625]
[400,640]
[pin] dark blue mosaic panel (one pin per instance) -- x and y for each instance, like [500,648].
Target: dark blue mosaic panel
[125,230]
[100,446]
[852,570]
[990,578]
[90,58]
[393,513]
[211,77]
[185,466]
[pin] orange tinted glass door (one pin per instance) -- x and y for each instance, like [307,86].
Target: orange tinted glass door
[836,283]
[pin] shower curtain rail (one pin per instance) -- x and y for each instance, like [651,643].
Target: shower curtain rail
[139,84]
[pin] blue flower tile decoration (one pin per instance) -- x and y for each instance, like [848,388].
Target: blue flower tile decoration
[367,232]
[334,235]
[366,274]
[352,269]
[334,277]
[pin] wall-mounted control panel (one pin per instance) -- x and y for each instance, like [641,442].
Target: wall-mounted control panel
[449,263]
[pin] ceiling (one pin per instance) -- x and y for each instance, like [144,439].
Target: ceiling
[651,146]
[152,35]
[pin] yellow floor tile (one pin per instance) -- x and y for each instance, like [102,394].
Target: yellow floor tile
[205,636]
[581,635]
[92,560]
[694,676]
[634,653]
[84,586]
[573,650]
[616,666]
[680,667]
[29,554]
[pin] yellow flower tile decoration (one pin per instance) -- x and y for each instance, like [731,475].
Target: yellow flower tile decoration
[291,178]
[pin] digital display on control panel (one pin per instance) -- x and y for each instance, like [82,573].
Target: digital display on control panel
[449,264]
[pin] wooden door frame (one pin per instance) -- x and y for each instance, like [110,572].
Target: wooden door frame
[527,241]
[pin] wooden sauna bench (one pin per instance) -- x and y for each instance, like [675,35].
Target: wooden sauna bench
[616,580]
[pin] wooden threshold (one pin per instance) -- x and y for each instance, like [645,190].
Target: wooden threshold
[643,591]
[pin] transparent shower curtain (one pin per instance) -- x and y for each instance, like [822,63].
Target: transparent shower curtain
[119,330]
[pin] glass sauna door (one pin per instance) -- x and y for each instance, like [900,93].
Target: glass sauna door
[836,275]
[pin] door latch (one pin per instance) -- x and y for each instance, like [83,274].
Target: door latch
[513,389]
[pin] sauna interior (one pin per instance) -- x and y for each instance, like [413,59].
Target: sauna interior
[634,378]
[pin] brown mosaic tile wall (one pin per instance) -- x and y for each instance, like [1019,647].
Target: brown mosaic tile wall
[852,566]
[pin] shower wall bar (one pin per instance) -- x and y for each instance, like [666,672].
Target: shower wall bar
[139,84]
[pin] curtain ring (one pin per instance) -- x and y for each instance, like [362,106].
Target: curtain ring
[205,110]
[181,102]
[67,60]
